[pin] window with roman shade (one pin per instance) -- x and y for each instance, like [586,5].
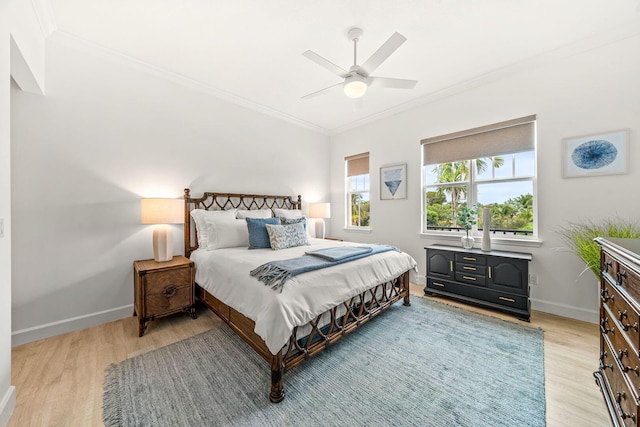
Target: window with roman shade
[491,167]
[358,190]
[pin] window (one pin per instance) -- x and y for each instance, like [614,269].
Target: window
[358,200]
[490,167]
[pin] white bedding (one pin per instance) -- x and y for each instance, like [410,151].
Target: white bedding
[224,273]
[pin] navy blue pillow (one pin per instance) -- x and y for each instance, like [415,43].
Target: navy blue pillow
[258,235]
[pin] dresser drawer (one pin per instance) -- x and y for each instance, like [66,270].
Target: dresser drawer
[623,397]
[465,258]
[627,358]
[628,279]
[621,314]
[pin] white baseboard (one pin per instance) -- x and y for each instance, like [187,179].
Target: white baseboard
[35,333]
[591,316]
[7,405]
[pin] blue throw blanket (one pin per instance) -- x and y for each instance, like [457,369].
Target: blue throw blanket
[276,273]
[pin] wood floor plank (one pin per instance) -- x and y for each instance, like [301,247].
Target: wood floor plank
[59,380]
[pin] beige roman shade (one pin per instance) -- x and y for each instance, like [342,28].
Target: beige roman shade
[512,136]
[357,164]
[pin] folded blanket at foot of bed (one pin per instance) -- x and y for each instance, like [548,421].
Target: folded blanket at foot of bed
[276,273]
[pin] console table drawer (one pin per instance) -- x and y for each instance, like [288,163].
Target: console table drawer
[472,279]
[471,259]
[479,293]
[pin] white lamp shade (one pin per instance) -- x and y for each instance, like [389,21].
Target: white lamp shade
[162,211]
[319,210]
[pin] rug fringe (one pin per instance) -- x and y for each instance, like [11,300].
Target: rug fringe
[112,417]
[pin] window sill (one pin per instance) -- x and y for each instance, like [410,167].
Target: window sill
[531,242]
[357,230]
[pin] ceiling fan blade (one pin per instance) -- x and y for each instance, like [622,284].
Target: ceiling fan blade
[325,63]
[391,83]
[321,91]
[380,55]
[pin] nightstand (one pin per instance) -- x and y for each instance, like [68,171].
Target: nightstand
[162,288]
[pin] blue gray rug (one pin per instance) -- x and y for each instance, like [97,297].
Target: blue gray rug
[425,365]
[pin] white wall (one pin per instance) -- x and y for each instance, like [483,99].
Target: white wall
[105,135]
[17,21]
[590,92]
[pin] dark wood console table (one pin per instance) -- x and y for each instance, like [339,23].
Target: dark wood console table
[493,279]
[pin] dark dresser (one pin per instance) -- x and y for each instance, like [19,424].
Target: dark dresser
[618,374]
[493,279]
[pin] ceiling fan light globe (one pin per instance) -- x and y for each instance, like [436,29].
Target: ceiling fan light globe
[355,86]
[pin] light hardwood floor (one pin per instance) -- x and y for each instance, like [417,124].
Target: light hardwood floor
[59,379]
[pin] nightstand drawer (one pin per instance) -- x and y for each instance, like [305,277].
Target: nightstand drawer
[160,300]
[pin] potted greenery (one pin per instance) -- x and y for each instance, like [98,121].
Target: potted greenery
[579,237]
[466,218]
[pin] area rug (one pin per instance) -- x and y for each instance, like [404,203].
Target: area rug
[426,365]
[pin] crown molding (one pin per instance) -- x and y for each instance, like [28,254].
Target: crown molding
[81,43]
[602,38]
[45,16]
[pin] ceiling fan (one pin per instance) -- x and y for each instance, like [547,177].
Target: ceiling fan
[359,78]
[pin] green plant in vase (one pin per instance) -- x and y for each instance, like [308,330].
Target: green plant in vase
[579,237]
[466,218]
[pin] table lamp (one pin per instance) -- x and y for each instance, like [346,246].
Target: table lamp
[162,212]
[320,211]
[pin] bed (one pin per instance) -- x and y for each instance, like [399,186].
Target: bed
[311,311]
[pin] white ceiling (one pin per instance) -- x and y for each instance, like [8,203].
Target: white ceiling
[250,51]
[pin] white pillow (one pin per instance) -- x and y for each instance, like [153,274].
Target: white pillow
[262,213]
[287,213]
[226,233]
[200,215]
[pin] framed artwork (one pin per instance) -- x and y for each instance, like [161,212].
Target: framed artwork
[393,182]
[604,153]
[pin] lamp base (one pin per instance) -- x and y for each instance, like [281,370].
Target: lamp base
[162,243]
[320,228]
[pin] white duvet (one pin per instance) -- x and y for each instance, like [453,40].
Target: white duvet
[224,273]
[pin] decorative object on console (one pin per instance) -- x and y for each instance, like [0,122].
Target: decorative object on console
[162,212]
[393,182]
[320,211]
[486,231]
[598,154]
[466,218]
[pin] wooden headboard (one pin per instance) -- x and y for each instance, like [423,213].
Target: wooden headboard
[224,201]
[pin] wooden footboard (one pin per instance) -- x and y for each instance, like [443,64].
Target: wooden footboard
[342,319]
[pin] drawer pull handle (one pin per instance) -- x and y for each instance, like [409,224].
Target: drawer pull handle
[169,291]
[621,275]
[610,366]
[489,272]
[619,396]
[626,326]
[629,368]
[507,299]
[623,353]
[469,278]
[469,268]
[606,331]
[606,266]
[450,265]
[468,258]
[437,284]
[606,298]
[622,315]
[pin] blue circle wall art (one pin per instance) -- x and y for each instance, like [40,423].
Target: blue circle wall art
[598,154]
[594,154]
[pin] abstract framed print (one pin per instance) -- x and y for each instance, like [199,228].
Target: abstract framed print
[604,153]
[393,182]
